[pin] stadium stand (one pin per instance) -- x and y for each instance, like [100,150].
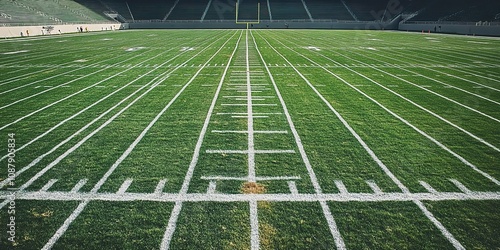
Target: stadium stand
[459,11]
[188,10]
[328,10]
[150,9]
[288,10]
[93,11]
[46,12]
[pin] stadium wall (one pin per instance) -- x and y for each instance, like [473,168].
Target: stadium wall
[292,24]
[15,31]
[461,29]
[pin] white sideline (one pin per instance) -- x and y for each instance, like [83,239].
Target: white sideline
[125,154]
[172,222]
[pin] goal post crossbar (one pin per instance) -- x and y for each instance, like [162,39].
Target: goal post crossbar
[247,22]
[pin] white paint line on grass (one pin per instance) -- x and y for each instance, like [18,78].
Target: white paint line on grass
[440,226]
[76,146]
[159,188]
[428,187]
[125,185]
[339,242]
[79,185]
[460,186]
[62,74]
[284,197]
[410,101]
[386,170]
[254,226]
[293,187]
[212,186]
[244,132]
[172,222]
[257,178]
[375,188]
[65,225]
[101,182]
[47,186]
[276,151]
[341,187]
[76,93]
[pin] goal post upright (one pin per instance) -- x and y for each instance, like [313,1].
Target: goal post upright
[247,22]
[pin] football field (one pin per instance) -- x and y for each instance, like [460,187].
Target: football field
[250,139]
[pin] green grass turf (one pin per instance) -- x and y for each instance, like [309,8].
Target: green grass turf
[386,66]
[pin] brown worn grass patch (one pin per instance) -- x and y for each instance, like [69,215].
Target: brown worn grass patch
[253,188]
[45,214]
[267,234]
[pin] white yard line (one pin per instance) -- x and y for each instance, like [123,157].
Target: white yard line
[250,134]
[157,80]
[64,84]
[339,241]
[161,185]
[428,187]
[172,222]
[283,197]
[442,146]
[384,168]
[125,185]
[76,93]
[430,78]
[127,152]
[254,226]
[47,186]
[79,185]
[375,188]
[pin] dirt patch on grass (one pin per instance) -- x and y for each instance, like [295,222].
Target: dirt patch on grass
[253,188]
